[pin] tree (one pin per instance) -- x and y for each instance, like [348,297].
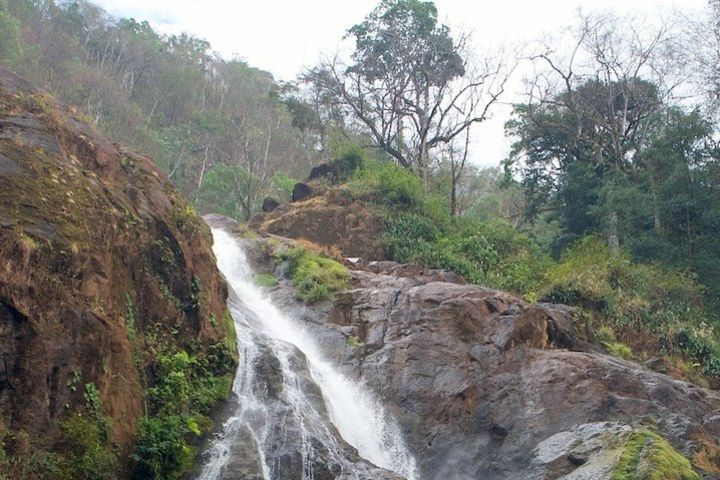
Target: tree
[10,45]
[587,117]
[410,84]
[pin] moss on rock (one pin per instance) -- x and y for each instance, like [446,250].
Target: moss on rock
[648,456]
[315,277]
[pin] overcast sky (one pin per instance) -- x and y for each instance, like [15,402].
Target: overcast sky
[283,37]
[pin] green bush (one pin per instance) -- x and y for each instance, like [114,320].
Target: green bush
[348,160]
[161,449]
[315,277]
[186,388]
[660,302]
[265,280]
[384,183]
[85,455]
[489,253]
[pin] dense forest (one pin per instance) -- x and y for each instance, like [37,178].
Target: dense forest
[609,199]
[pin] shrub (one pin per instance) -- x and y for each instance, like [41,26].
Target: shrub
[489,253]
[160,449]
[639,299]
[348,160]
[315,277]
[186,388]
[86,456]
[384,183]
[265,280]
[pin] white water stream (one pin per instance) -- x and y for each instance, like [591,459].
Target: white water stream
[357,414]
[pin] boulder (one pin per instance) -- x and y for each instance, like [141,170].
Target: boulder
[269,204]
[300,192]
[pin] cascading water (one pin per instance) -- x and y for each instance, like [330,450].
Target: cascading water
[295,413]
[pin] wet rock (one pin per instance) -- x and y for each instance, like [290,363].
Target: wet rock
[586,452]
[87,224]
[245,462]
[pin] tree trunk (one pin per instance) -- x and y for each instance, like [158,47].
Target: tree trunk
[453,197]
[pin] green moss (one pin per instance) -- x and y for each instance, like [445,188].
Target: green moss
[230,340]
[265,280]
[186,219]
[354,342]
[647,456]
[315,277]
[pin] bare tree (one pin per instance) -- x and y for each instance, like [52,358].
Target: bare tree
[410,85]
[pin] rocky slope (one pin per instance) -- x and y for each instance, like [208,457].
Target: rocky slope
[100,259]
[327,217]
[488,386]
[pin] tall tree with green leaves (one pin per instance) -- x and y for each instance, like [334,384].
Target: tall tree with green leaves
[409,84]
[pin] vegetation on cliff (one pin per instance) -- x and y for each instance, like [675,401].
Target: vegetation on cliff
[108,286]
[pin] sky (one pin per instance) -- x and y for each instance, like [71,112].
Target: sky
[284,37]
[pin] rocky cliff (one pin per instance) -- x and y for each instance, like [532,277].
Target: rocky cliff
[102,265]
[486,385]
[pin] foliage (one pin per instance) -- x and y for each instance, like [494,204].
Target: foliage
[635,298]
[225,189]
[265,280]
[419,229]
[168,96]
[407,85]
[10,39]
[282,186]
[86,456]
[85,452]
[315,277]
[384,183]
[647,456]
[348,159]
[651,189]
[186,388]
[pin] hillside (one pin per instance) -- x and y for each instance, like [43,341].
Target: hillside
[642,311]
[108,281]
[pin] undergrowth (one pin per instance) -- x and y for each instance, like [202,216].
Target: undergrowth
[85,454]
[185,390]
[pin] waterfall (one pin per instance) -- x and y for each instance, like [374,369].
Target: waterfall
[295,413]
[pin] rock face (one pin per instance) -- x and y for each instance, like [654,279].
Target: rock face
[92,238]
[329,219]
[488,386]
